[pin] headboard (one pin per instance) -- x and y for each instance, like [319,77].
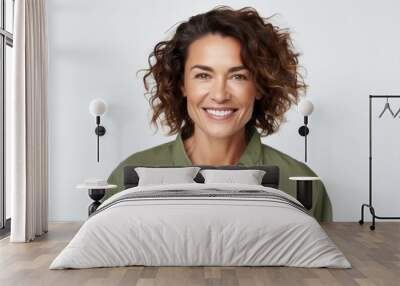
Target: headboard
[270,179]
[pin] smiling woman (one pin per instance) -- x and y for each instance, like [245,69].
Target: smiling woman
[223,75]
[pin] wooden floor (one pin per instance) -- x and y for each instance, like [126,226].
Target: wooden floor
[374,255]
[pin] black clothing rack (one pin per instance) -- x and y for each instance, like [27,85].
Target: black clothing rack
[369,205]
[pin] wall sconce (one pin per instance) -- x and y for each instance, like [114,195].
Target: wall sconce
[305,108]
[97,107]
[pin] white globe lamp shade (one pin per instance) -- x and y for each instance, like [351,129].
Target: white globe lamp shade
[305,107]
[97,107]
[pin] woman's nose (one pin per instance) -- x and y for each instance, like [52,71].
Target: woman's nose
[219,92]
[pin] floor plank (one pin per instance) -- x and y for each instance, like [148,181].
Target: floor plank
[374,255]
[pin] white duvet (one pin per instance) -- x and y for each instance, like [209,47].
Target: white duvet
[200,231]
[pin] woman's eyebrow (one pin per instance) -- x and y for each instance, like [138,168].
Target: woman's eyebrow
[238,68]
[210,69]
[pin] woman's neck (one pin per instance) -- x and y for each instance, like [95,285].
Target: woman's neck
[205,150]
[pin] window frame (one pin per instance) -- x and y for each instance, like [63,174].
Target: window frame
[6,39]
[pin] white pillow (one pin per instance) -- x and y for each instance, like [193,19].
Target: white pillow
[162,176]
[249,177]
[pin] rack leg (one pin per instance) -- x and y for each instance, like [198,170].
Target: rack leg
[372,210]
[361,221]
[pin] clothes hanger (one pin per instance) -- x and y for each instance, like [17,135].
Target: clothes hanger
[397,113]
[387,107]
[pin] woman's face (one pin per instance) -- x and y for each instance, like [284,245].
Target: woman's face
[219,89]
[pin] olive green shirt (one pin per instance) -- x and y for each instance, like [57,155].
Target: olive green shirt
[173,153]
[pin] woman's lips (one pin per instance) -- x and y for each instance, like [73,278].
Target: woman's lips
[220,114]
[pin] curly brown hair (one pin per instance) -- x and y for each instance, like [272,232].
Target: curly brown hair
[266,51]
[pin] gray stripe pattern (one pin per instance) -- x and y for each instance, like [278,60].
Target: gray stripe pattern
[206,194]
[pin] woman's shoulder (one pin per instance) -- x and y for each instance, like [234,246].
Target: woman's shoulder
[158,155]
[276,157]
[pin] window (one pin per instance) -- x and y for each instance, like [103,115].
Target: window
[6,44]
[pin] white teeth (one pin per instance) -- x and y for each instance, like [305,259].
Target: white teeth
[219,112]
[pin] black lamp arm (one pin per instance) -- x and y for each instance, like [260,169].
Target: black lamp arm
[303,131]
[100,131]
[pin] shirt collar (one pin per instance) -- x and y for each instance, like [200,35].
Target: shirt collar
[250,156]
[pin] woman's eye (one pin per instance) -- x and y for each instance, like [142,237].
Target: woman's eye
[239,77]
[202,76]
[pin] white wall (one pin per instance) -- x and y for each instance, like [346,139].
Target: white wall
[350,50]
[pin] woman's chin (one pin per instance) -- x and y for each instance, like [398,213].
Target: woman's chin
[219,132]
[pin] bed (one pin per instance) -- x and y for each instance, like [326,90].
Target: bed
[201,224]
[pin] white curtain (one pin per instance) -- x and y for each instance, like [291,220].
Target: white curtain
[28,160]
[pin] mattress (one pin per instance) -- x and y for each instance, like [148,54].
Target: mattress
[201,225]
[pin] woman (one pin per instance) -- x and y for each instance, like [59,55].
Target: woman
[224,74]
